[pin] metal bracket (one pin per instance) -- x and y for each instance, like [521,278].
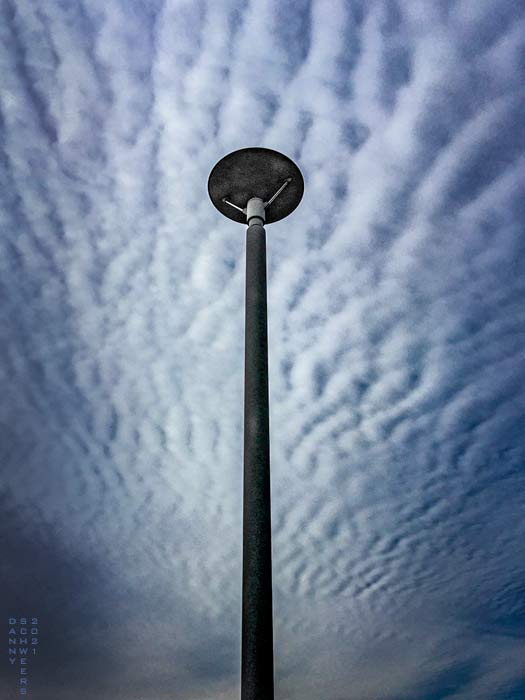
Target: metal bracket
[281,188]
[234,205]
[266,204]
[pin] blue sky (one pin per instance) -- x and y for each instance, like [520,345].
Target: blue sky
[396,341]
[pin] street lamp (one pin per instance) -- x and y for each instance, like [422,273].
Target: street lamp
[256,186]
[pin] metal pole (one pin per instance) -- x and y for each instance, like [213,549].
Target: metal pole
[276,185]
[257,625]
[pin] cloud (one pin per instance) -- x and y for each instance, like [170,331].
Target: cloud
[395,333]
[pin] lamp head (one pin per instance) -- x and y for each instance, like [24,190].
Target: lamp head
[251,173]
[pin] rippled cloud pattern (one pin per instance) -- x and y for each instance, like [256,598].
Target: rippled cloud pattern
[396,340]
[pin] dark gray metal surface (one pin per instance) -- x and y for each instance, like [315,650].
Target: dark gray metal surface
[255,172]
[257,625]
[241,176]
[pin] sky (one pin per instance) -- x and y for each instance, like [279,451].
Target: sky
[396,346]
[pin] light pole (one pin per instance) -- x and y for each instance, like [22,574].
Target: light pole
[256,186]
